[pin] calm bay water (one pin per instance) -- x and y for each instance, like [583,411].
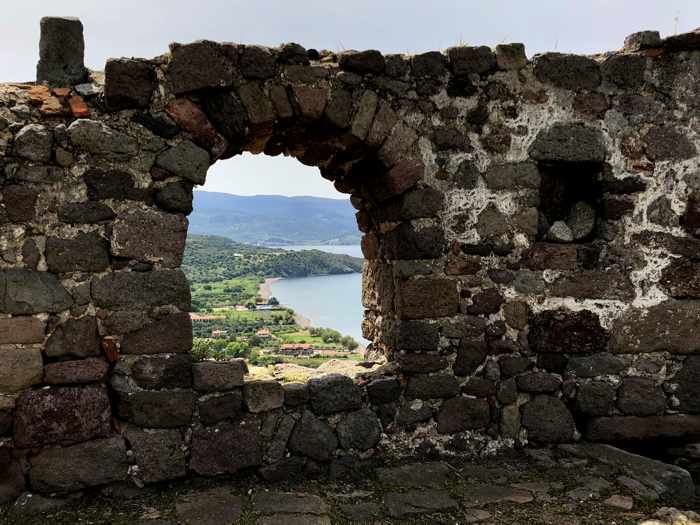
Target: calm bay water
[330,301]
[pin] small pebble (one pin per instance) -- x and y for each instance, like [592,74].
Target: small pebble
[620,502]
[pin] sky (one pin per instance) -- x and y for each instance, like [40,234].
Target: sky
[144,28]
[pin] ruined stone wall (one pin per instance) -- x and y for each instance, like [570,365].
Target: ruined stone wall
[531,230]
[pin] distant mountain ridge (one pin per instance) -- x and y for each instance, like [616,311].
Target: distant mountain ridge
[274,220]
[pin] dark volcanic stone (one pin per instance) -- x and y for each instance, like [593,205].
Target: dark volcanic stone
[217,376]
[169,335]
[568,142]
[384,390]
[547,420]
[228,114]
[422,363]
[369,61]
[417,335]
[488,301]
[85,213]
[461,413]
[479,387]
[435,386]
[681,279]
[157,409]
[313,438]
[23,201]
[31,292]
[359,430]
[87,252]
[12,483]
[688,379]
[159,454]
[257,62]
[295,394]
[154,288]
[595,398]
[538,383]
[407,242]
[74,372]
[573,72]
[465,60]
[61,50]
[157,372]
[427,298]
[176,197]
[185,160]
[75,337]
[334,393]
[198,65]
[264,395]
[514,365]
[691,217]
[430,64]
[159,123]
[128,83]
[226,449]
[634,428]
[212,410]
[113,184]
[80,466]
[62,415]
[668,143]
[640,396]
[470,355]
[626,71]
[554,331]
[595,365]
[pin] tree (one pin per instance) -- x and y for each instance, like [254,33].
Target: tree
[250,305]
[273,301]
[349,343]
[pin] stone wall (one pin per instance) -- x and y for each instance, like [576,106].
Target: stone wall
[531,235]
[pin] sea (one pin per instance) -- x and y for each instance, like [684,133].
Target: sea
[328,301]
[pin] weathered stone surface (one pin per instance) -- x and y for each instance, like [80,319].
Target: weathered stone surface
[89,370]
[555,331]
[668,143]
[79,466]
[34,142]
[261,396]
[640,396]
[159,454]
[334,393]
[213,410]
[688,379]
[215,376]
[429,64]
[147,235]
[595,398]
[405,242]
[369,61]
[681,279]
[581,220]
[538,383]
[159,371]
[591,284]
[142,288]
[311,100]
[421,363]
[75,337]
[359,430]
[567,71]
[30,292]
[61,415]
[85,213]
[427,298]
[642,40]
[12,484]
[24,203]
[21,368]
[470,355]
[670,326]
[547,420]
[198,65]
[564,142]
[595,365]
[516,314]
[113,184]
[383,390]
[257,62]
[192,119]
[157,409]
[295,394]
[487,301]
[313,438]
[479,387]
[625,71]
[691,217]
[483,494]
[169,335]
[22,330]
[175,197]
[635,428]
[465,60]
[185,160]
[129,83]
[240,442]
[86,252]
[434,386]
[227,113]
[513,176]
[510,56]
[99,139]
[416,502]
[61,50]
[462,413]
[431,474]
[211,507]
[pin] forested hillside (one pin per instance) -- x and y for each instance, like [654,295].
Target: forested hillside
[211,258]
[274,220]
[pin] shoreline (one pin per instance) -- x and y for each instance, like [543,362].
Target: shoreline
[265,289]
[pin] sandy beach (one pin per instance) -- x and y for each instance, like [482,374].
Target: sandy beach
[265,290]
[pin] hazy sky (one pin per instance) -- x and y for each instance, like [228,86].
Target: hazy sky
[145,27]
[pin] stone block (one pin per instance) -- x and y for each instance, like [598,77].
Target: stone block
[547,420]
[513,176]
[595,398]
[595,365]
[128,289]
[384,390]
[12,483]
[61,415]
[86,252]
[216,376]
[262,396]
[640,396]
[129,83]
[665,142]
[21,368]
[97,138]
[429,64]
[199,65]
[543,256]
[85,213]
[213,410]
[185,160]
[150,235]
[157,409]
[681,279]
[75,337]
[434,386]
[421,362]
[30,292]
[22,330]
[111,184]
[635,428]
[559,331]
[79,466]
[311,100]
[169,335]
[226,449]
[462,413]
[688,380]
[61,51]
[24,200]
[538,383]
[405,242]
[159,454]
[295,394]
[156,372]
[572,72]
[625,71]
[370,61]
[313,438]
[642,40]
[467,60]
[470,355]
[257,62]
[34,142]
[427,298]
[175,197]
[90,370]
[334,393]
[359,430]
[510,56]
[568,142]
